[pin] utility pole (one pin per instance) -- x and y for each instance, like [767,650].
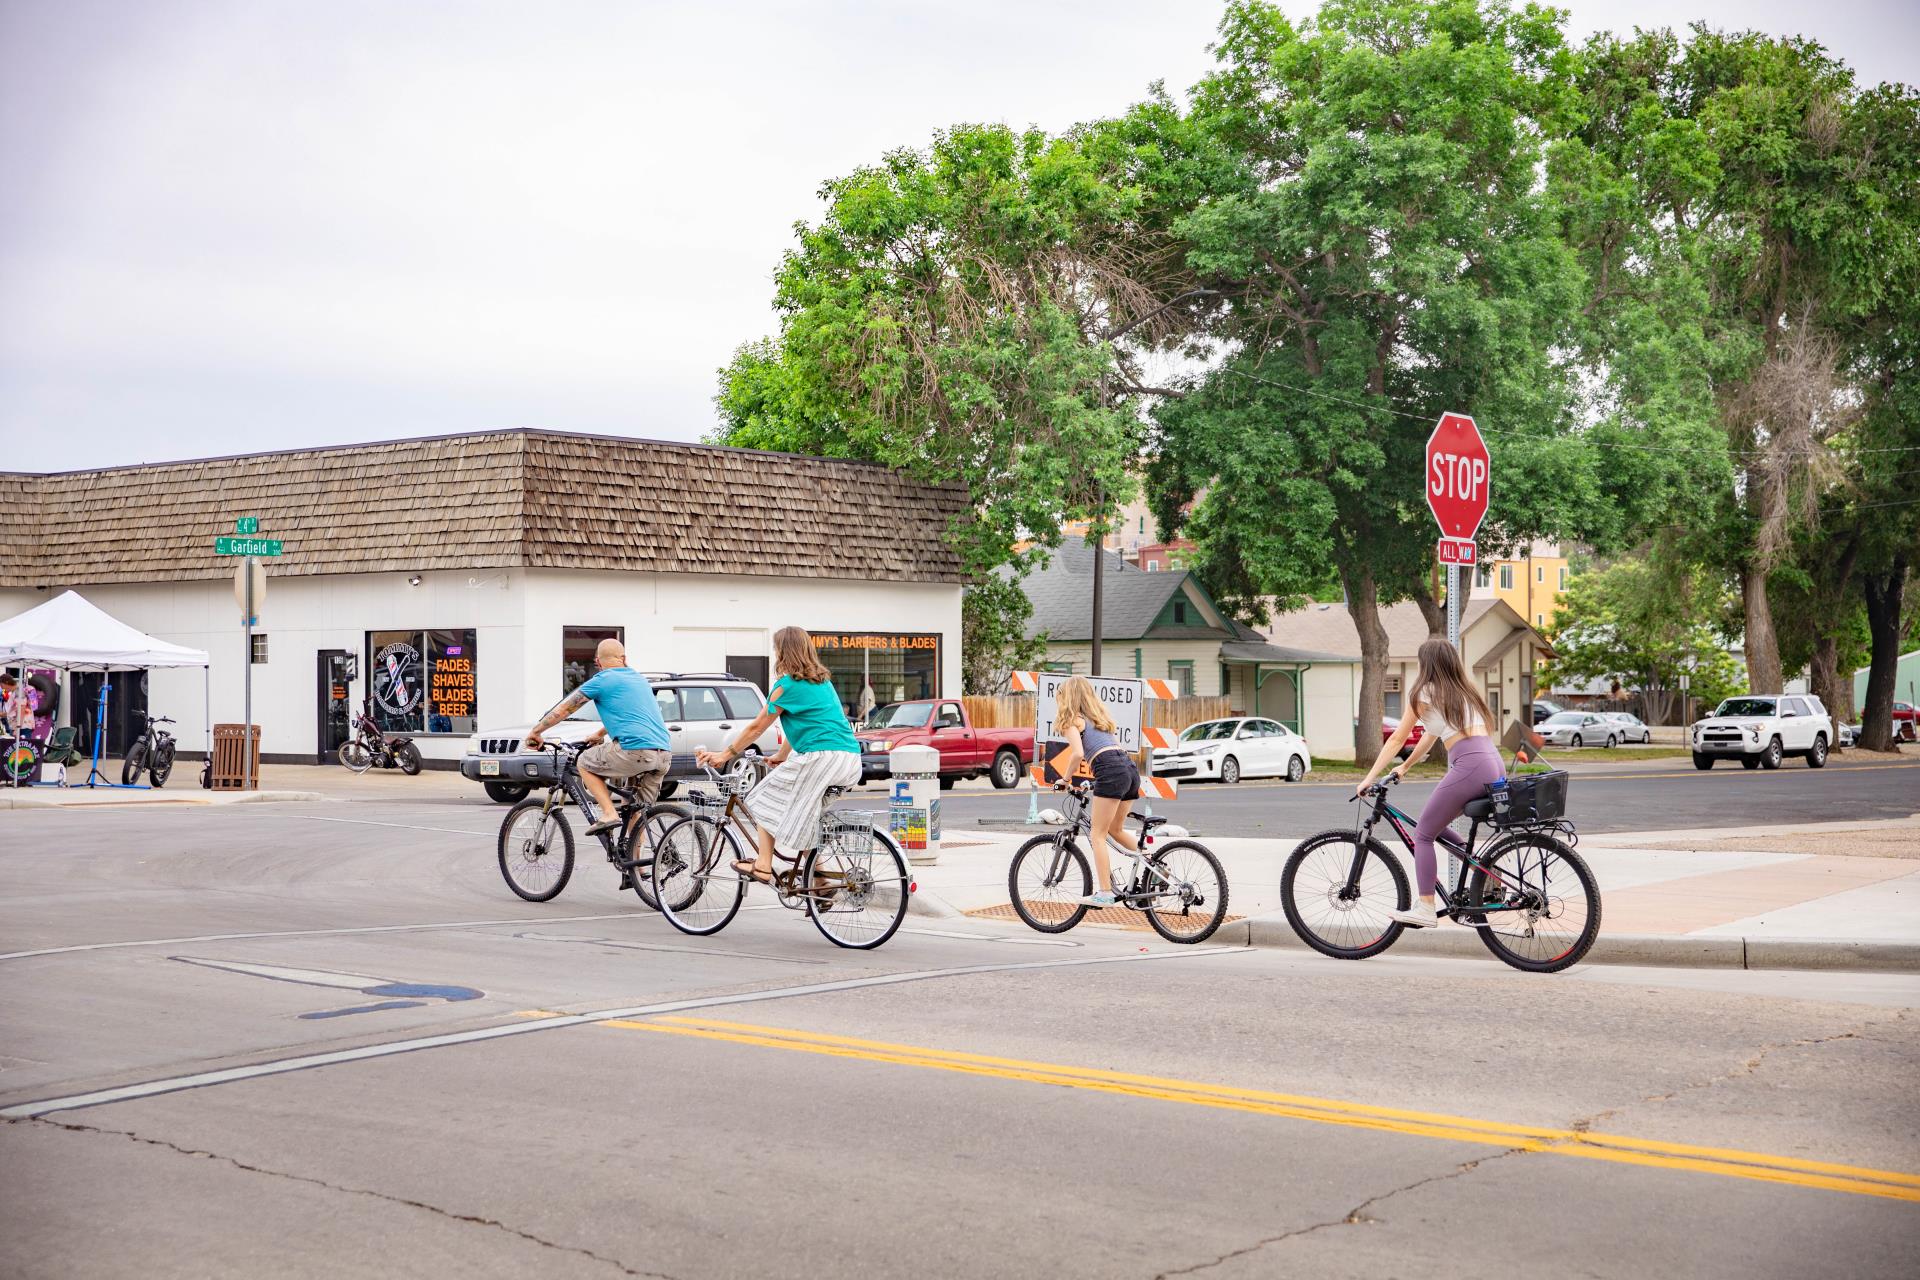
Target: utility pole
[1099,556]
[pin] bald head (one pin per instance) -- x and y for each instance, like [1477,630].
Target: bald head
[610,653]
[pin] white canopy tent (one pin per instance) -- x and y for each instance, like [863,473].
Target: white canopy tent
[70,633]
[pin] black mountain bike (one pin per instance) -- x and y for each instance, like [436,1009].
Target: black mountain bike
[536,841]
[152,751]
[1532,899]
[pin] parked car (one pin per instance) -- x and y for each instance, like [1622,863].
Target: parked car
[1849,734]
[1387,727]
[1230,750]
[1543,708]
[943,724]
[1760,730]
[703,712]
[1578,729]
[1632,727]
[1906,722]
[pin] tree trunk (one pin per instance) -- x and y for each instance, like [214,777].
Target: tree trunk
[1435,612]
[1883,594]
[1363,605]
[1762,645]
[1824,677]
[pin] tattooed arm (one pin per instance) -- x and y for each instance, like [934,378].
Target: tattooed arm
[567,706]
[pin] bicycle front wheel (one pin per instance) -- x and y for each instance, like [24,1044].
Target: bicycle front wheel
[130,767]
[1190,892]
[857,896]
[694,883]
[161,767]
[1540,903]
[1337,893]
[536,850]
[1048,878]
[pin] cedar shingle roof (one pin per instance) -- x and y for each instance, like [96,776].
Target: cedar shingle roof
[528,499]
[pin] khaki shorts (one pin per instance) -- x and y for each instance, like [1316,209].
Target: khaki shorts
[646,767]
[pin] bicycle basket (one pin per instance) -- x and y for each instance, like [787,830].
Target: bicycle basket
[1533,798]
[738,780]
[847,830]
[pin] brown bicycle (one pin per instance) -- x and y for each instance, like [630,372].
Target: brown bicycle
[853,883]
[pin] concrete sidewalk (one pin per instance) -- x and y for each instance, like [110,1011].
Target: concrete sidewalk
[1661,904]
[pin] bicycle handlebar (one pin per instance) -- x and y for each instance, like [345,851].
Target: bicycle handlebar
[1377,789]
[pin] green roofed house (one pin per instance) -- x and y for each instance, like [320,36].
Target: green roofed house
[1162,625]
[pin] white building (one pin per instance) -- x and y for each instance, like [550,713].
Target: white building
[466,579]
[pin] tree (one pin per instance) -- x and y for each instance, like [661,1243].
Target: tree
[1645,623]
[1386,252]
[974,310]
[993,634]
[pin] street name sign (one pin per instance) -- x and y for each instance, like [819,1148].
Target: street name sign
[1457,474]
[246,546]
[1457,551]
[247,524]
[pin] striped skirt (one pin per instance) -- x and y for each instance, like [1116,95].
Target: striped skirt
[787,801]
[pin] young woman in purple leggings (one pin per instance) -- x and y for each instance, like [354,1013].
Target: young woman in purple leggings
[1445,703]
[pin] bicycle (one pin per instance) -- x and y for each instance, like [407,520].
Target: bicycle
[853,883]
[536,840]
[1179,886]
[152,751]
[1531,898]
[369,746]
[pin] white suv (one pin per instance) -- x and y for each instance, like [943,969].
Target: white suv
[1760,730]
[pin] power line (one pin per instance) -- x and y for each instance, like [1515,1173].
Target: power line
[1428,418]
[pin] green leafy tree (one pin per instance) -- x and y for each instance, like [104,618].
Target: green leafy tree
[1386,253]
[1644,623]
[993,634]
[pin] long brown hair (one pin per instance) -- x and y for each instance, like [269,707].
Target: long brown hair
[793,655]
[1442,683]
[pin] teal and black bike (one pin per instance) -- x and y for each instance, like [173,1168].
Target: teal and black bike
[1531,898]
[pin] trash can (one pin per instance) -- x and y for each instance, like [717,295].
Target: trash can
[232,743]
[913,808]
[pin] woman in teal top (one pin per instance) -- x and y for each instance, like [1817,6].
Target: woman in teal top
[818,752]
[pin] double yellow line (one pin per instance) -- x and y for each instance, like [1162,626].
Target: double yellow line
[1577,1143]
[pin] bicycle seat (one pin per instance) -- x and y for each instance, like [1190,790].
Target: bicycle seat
[1479,810]
[1149,823]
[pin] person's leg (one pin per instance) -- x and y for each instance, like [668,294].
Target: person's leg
[1105,811]
[1468,773]
[597,788]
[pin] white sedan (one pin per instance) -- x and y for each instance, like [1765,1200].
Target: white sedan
[1230,750]
[1578,729]
[1632,727]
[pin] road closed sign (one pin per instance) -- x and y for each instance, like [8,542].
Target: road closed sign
[1458,476]
[1121,698]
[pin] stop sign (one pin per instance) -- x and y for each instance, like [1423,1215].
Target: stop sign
[1457,480]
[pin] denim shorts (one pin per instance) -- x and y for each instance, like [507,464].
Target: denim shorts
[1115,776]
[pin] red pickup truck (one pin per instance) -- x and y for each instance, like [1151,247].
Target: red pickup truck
[943,724]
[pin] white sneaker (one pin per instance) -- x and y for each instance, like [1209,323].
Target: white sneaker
[1418,916]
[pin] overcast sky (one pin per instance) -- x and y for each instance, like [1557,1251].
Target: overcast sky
[248,224]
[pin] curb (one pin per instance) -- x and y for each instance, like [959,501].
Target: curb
[177,801]
[1656,950]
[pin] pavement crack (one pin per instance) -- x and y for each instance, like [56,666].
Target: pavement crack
[1355,1216]
[471,1219]
[1752,1065]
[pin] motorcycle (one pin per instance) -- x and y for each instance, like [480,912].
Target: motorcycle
[151,752]
[369,746]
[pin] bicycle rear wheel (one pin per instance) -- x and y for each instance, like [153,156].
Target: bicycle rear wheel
[1193,901]
[1048,878]
[1335,912]
[857,897]
[536,850]
[638,843]
[694,883]
[1540,902]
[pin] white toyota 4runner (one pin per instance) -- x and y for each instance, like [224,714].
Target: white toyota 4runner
[1760,730]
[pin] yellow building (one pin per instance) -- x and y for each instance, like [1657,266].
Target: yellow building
[1528,582]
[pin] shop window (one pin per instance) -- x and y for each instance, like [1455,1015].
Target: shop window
[576,653]
[900,667]
[1506,577]
[259,650]
[424,681]
[1180,676]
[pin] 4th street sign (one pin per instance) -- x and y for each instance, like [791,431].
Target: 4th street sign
[246,546]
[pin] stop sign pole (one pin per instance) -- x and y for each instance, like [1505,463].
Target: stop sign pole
[1457,484]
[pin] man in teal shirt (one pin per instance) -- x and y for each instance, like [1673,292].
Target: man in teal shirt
[632,741]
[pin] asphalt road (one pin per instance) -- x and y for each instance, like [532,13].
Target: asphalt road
[1654,795]
[324,1040]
